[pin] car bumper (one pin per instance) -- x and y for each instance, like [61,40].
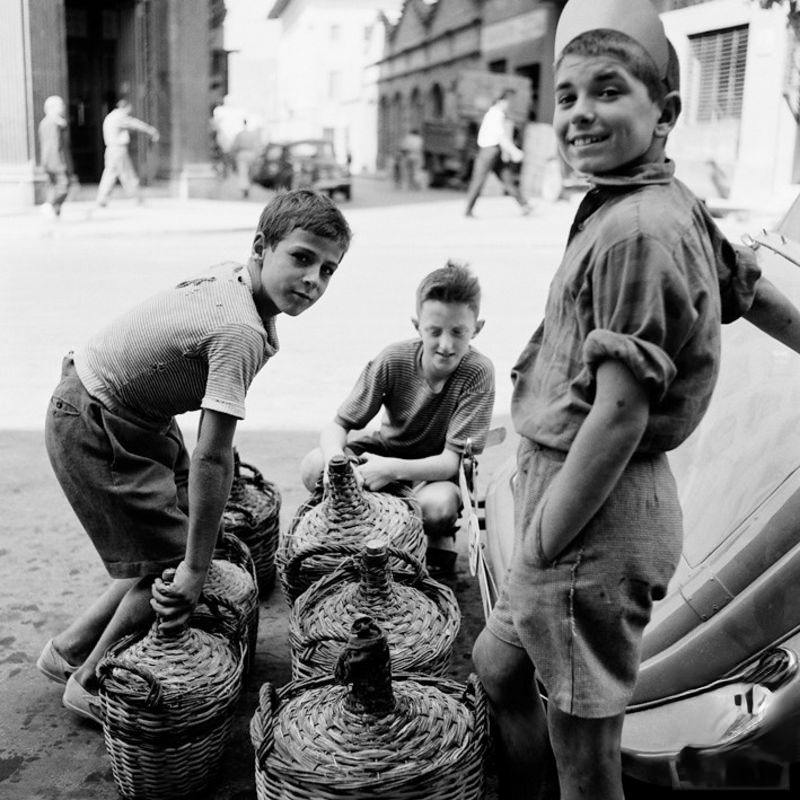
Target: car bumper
[737,734]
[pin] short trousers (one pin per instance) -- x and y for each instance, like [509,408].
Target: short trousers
[126,480]
[581,617]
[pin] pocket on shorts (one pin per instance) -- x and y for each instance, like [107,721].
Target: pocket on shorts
[61,407]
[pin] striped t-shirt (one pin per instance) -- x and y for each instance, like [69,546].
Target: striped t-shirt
[197,345]
[418,422]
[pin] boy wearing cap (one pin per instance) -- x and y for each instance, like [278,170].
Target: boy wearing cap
[620,372]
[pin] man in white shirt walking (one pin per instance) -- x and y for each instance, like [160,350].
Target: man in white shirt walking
[118,165]
[496,153]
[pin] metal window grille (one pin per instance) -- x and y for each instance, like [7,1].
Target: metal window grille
[716,75]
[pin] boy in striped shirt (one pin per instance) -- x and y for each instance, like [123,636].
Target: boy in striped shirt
[118,452]
[437,392]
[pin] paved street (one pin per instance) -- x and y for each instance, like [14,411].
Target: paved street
[61,282]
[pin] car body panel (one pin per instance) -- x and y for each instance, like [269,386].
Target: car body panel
[734,596]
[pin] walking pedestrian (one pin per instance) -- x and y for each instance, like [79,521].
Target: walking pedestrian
[117,125]
[54,154]
[497,152]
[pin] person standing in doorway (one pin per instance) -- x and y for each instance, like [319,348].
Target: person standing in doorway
[496,153]
[54,153]
[117,125]
[245,149]
[411,149]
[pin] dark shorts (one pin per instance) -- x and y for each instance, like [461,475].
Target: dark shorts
[581,618]
[126,481]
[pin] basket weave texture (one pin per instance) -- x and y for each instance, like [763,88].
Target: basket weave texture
[411,738]
[252,513]
[168,704]
[419,616]
[230,593]
[346,514]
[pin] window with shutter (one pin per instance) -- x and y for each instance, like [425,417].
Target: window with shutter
[716,74]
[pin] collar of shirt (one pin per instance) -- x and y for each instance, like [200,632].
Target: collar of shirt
[605,186]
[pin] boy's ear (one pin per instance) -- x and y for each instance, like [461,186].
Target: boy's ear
[415,323]
[259,245]
[669,114]
[478,327]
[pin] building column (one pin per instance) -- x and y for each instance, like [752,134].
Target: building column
[189,80]
[33,43]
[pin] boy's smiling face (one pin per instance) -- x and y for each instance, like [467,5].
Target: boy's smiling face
[446,330]
[604,116]
[295,272]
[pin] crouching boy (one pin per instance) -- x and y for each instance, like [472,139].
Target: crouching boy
[117,450]
[437,392]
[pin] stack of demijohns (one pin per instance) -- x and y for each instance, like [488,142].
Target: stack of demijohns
[362,734]
[168,701]
[348,515]
[252,513]
[419,616]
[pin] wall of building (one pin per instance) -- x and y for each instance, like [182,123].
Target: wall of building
[756,150]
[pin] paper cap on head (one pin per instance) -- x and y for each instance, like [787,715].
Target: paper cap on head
[635,18]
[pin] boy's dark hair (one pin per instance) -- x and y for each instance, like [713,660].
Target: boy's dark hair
[620,46]
[306,209]
[452,283]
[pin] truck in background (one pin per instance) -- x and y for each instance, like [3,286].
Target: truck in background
[450,144]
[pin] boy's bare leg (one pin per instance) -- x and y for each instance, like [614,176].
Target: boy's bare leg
[440,502]
[525,767]
[311,468]
[122,609]
[76,641]
[587,753]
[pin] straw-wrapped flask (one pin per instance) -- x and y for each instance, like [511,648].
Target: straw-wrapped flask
[363,734]
[348,514]
[231,582]
[252,513]
[168,701]
[419,616]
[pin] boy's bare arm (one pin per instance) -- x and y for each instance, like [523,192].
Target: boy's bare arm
[776,315]
[332,439]
[600,452]
[210,476]
[377,471]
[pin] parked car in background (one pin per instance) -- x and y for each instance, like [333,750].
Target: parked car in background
[717,703]
[304,163]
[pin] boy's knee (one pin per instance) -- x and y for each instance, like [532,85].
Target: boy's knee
[440,503]
[504,670]
[311,468]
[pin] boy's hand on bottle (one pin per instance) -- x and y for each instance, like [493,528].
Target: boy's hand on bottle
[375,471]
[175,601]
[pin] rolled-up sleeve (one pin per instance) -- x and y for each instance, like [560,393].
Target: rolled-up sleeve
[738,272]
[642,311]
[365,398]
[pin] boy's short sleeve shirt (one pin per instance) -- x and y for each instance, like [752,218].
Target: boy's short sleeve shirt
[197,345]
[418,422]
[640,283]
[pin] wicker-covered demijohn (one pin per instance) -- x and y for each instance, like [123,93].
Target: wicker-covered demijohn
[252,513]
[364,734]
[419,616]
[231,582]
[347,514]
[168,702]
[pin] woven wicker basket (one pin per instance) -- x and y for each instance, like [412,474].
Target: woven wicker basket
[231,581]
[168,704]
[346,514]
[253,514]
[419,616]
[411,738]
